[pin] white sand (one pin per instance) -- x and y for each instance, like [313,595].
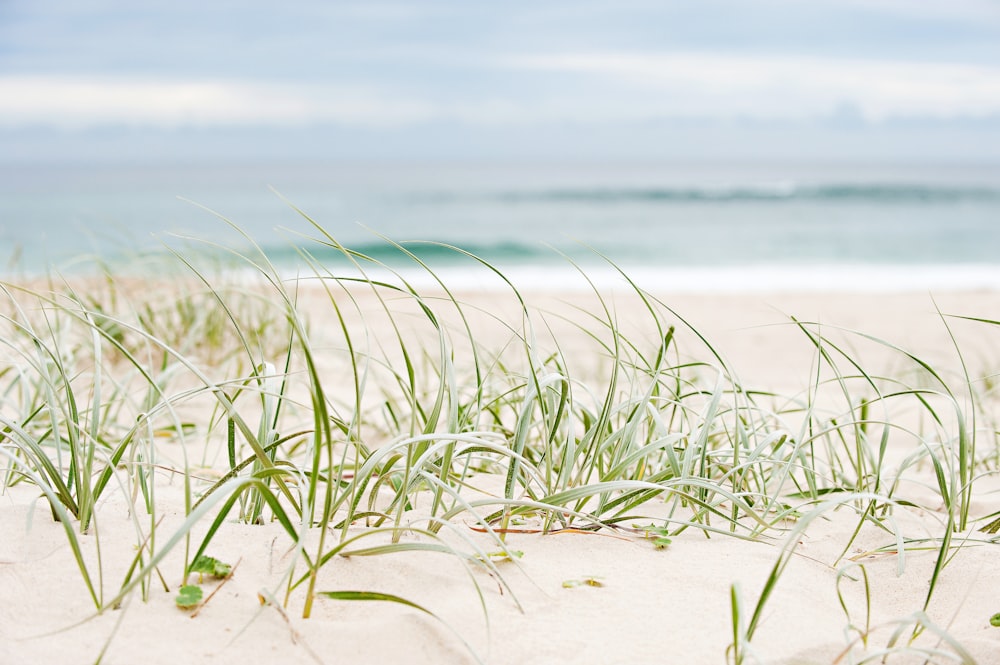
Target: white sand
[652,606]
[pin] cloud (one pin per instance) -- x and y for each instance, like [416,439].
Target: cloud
[580,88]
[727,85]
[75,103]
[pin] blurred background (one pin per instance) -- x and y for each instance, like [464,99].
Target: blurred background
[749,136]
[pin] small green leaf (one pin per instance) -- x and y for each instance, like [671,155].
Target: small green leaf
[188,596]
[505,555]
[586,581]
[206,565]
[658,534]
[652,530]
[995,620]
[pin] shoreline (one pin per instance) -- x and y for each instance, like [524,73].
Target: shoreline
[692,280]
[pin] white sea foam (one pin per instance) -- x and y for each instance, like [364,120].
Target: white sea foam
[699,279]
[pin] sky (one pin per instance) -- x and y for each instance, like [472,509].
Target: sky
[173,81]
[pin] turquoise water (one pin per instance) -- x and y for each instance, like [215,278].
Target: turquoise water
[850,221]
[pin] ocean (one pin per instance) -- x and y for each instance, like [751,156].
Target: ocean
[683,227]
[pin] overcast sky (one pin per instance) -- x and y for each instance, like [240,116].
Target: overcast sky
[173,80]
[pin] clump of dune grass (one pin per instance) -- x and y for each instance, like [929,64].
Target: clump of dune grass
[315,403]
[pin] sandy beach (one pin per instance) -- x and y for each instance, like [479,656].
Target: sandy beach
[563,593]
[576,333]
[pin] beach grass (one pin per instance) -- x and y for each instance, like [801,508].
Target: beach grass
[367,417]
